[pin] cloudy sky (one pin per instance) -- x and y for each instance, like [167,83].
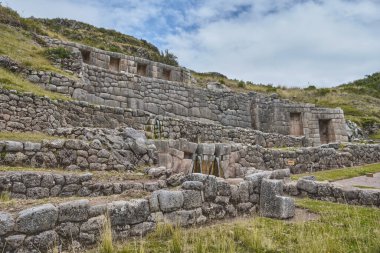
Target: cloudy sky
[282,42]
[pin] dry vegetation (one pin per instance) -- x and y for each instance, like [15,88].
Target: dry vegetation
[341,228]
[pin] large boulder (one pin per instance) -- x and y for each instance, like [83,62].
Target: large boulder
[6,223]
[74,211]
[128,212]
[170,200]
[272,204]
[37,219]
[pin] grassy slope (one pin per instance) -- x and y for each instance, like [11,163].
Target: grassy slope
[340,228]
[18,44]
[105,39]
[12,81]
[338,174]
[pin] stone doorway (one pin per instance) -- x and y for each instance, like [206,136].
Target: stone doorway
[296,126]
[166,74]
[85,56]
[142,69]
[114,64]
[326,131]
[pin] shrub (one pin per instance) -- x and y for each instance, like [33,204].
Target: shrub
[311,87]
[241,84]
[58,53]
[323,91]
[222,81]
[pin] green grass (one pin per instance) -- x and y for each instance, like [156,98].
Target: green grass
[338,174]
[364,187]
[27,136]
[375,136]
[19,45]
[12,81]
[340,228]
[5,197]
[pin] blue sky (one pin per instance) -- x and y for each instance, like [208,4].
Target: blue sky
[283,42]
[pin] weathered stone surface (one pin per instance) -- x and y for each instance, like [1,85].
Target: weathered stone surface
[31,146]
[256,178]
[31,180]
[69,230]
[73,211]
[280,174]
[128,212]
[6,223]
[192,199]
[170,200]
[307,185]
[93,225]
[272,204]
[13,146]
[18,187]
[43,241]
[15,241]
[183,217]
[142,229]
[37,193]
[36,219]
[192,185]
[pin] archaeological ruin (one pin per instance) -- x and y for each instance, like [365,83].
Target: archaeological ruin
[180,153]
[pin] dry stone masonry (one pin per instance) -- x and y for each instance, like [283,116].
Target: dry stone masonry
[208,153]
[307,186]
[128,82]
[38,185]
[79,223]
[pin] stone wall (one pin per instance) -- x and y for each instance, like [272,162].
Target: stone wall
[130,89]
[196,131]
[280,116]
[308,159]
[236,160]
[331,192]
[43,114]
[74,154]
[37,185]
[27,112]
[117,62]
[79,223]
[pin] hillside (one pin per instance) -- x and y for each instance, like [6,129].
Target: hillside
[359,99]
[71,30]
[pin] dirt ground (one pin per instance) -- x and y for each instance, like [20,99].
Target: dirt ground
[361,182]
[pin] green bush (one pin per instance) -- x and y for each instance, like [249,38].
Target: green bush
[323,91]
[241,84]
[58,53]
[311,87]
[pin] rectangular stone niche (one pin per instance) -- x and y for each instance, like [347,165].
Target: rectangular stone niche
[296,126]
[326,131]
[86,56]
[166,74]
[142,69]
[114,64]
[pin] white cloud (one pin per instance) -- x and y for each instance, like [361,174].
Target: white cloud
[321,43]
[287,42]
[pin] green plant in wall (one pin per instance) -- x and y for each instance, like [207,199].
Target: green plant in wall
[241,84]
[58,53]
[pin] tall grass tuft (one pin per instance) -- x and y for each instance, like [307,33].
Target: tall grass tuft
[5,196]
[106,245]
